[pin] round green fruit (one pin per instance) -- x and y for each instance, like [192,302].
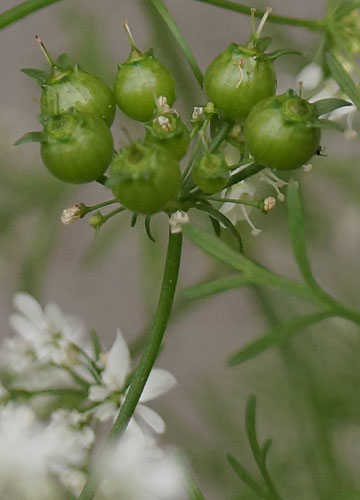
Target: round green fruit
[211,173]
[77,148]
[281,132]
[139,81]
[144,178]
[239,78]
[169,131]
[74,88]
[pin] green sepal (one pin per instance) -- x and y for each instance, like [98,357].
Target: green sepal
[31,137]
[148,229]
[263,43]
[325,106]
[95,343]
[64,61]
[282,52]
[328,124]
[36,74]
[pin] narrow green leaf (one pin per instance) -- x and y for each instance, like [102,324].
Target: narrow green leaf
[194,490]
[282,52]
[276,336]
[256,274]
[223,219]
[297,231]
[343,78]
[265,449]
[325,106]
[133,221]
[246,477]
[36,74]
[212,287]
[250,427]
[216,226]
[31,137]
[184,46]
[330,125]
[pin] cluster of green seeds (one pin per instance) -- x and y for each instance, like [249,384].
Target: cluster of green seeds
[78,109]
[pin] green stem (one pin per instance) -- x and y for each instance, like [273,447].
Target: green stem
[254,204]
[22,10]
[91,208]
[151,349]
[311,24]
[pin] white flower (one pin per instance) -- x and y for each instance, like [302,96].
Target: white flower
[311,76]
[48,333]
[75,438]
[313,80]
[25,451]
[71,214]
[177,219]
[111,393]
[136,469]
[244,190]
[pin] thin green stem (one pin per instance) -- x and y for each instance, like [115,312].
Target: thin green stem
[91,208]
[152,346]
[22,10]
[108,216]
[254,204]
[311,24]
[214,145]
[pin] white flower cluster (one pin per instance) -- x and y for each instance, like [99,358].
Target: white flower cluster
[50,371]
[318,87]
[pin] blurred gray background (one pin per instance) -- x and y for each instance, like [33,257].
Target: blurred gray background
[112,281]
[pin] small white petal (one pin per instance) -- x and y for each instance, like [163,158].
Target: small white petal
[106,411]
[29,307]
[24,328]
[151,418]
[311,76]
[159,382]
[98,393]
[118,364]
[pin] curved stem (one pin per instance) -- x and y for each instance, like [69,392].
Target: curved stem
[23,9]
[152,346]
[311,24]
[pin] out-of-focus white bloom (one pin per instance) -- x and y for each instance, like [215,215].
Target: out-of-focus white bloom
[176,221]
[25,453]
[235,212]
[111,393]
[313,79]
[311,76]
[244,190]
[136,469]
[48,333]
[75,438]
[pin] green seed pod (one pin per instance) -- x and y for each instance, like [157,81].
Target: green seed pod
[211,173]
[243,75]
[68,87]
[283,132]
[168,130]
[139,81]
[144,178]
[75,147]
[237,79]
